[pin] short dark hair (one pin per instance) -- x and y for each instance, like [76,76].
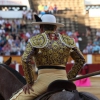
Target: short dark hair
[48,27]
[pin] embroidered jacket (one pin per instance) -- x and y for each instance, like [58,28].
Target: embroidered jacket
[48,52]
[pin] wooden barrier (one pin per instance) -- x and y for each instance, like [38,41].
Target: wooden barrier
[14,58]
[95,58]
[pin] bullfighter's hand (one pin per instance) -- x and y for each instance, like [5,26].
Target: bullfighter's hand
[27,88]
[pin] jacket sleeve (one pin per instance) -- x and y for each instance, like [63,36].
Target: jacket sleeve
[79,62]
[26,63]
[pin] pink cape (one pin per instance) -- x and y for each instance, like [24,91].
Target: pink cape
[83,82]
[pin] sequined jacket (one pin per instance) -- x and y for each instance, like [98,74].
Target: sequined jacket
[48,52]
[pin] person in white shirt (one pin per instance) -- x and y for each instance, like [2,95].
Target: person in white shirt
[29,15]
[24,14]
[36,31]
[98,33]
[2,31]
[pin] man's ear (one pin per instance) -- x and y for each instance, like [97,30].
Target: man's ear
[55,28]
[41,28]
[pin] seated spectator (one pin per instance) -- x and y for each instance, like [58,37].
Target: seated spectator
[36,31]
[89,47]
[24,14]
[98,33]
[17,41]
[17,21]
[2,31]
[55,9]
[23,24]
[28,34]
[23,36]
[0,40]
[85,51]
[18,51]
[1,50]
[63,32]
[22,46]
[3,40]
[40,8]
[96,40]
[69,33]
[6,49]
[8,26]
[29,15]
[1,21]
[95,49]
[51,9]
[46,8]
[76,39]
[10,39]
[14,26]
[14,49]
[13,34]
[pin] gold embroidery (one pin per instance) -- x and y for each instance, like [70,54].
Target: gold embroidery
[79,62]
[26,63]
[51,52]
[54,53]
[67,41]
[39,41]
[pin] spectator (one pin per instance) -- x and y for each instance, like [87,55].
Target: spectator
[95,49]
[96,41]
[17,21]
[13,49]
[69,33]
[85,51]
[1,22]
[40,8]
[17,41]
[13,34]
[51,9]
[10,40]
[14,26]
[23,24]
[46,8]
[24,14]
[22,46]
[98,33]
[55,9]
[63,32]
[2,31]
[82,40]
[3,40]
[36,31]
[76,39]
[29,15]
[6,49]
[28,35]
[89,47]
[8,26]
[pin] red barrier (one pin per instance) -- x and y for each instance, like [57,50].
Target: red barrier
[91,68]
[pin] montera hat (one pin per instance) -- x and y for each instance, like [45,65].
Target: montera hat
[47,19]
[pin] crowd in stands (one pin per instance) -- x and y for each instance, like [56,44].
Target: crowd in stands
[50,8]
[14,34]
[93,47]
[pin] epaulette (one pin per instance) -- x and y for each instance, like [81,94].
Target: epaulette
[39,41]
[68,41]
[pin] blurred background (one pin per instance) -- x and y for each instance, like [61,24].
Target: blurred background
[80,17]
